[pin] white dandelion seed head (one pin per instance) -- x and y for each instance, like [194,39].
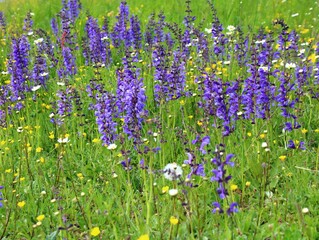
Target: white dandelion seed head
[173,192]
[172,171]
[112,146]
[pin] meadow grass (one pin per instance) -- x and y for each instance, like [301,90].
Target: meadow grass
[62,181]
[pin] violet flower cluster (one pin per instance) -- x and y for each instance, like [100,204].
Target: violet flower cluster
[131,99]
[1,204]
[18,67]
[104,113]
[2,22]
[220,176]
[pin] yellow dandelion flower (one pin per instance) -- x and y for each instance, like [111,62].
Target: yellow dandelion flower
[173,220]
[144,237]
[304,131]
[41,160]
[8,170]
[249,134]
[282,158]
[312,58]
[95,231]
[304,31]
[96,140]
[182,102]
[51,135]
[199,123]
[262,136]
[80,176]
[39,149]
[21,204]
[233,187]
[40,218]
[247,184]
[165,189]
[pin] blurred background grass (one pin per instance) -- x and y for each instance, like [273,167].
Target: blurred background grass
[250,14]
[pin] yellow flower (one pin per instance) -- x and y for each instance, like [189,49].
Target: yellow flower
[304,31]
[21,204]
[51,135]
[144,237]
[80,176]
[304,131]
[182,102]
[317,130]
[199,123]
[233,187]
[95,231]
[249,134]
[312,58]
[40,218]
[8,170]
[165,189]
[282,157]
[96,140]
[248,184]
[173,220]
[39,149]
[262,135]
[42,159]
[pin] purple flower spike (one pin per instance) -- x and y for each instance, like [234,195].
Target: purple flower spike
[205,141]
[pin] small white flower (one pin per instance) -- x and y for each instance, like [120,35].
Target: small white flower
[39,40]
[31,13]
[260,42]
[35,88]
[63,140]
[208,30]
[44,74]
[173,192]
[295,15]
[112,146]
[265,68]
[226,62]
[290,65]
[264,145]
[19,129]
[305,210]
[51,115]
[43,193]
[231,28]
[30,33]
[155,134]
[61,83]
[4,73]
[269,194]
[104,38]
[267,149]
[172,171]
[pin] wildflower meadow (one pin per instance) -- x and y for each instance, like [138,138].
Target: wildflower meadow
[159,119]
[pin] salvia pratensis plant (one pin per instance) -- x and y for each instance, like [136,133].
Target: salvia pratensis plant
[2,22]
[220,176]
